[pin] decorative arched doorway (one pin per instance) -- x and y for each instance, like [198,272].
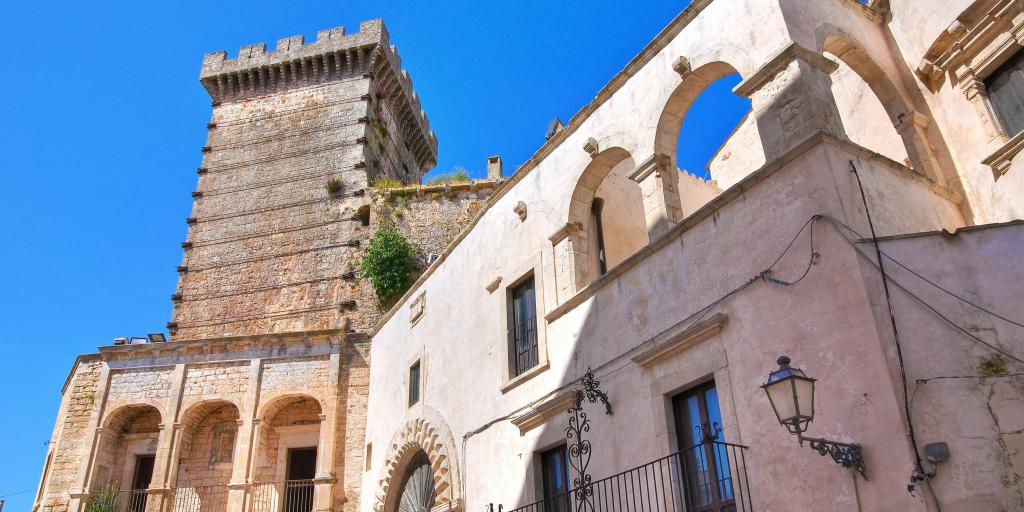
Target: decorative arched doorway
[417,493]
[420,472]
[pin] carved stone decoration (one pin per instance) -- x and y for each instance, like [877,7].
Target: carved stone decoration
[682,66]
[591,147]
[420,439]
[520,210]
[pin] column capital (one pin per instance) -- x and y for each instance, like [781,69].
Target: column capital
[788,54]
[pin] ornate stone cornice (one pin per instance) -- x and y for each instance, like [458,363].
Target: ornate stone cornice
[782,58]
[678,339]
[334,56]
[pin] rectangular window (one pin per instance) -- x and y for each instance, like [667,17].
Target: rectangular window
[1005,88]
[698,422]
[522,313]
[555,477]
[414,384]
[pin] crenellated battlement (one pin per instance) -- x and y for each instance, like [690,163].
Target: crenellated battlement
[333,56]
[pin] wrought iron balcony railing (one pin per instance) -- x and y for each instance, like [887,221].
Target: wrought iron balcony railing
[210,498]
[708,477]
[286,496]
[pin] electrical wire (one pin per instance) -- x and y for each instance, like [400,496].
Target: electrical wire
[892,320]
[924,303]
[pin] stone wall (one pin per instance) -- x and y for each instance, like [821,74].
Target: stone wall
[64,456]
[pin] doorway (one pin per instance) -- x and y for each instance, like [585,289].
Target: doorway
[141,478]
[298,487]
[703,459]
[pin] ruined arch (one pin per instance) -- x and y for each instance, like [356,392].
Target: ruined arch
[429,437]
[679,101]
[911,125]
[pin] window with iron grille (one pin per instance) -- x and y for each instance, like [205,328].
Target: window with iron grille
[414,384]
[1005,88]
[522,333]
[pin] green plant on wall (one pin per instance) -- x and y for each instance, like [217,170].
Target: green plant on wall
[334,186]
[103,501]
[388,263]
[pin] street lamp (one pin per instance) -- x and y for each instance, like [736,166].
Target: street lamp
[791,393]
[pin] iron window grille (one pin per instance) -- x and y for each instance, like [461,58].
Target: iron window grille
[523,348]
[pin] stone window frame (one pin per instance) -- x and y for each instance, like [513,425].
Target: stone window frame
[418,365]
[531,268]
[220,431]
[974,46]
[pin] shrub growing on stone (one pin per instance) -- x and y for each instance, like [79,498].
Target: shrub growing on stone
[388,263]
[334,186]
[104,501]
[459,175]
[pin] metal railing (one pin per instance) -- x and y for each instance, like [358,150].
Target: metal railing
[207,498]
[708,477]
[524,343]
[286,496]
[111,500]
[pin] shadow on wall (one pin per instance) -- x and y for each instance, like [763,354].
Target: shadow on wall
[716,134]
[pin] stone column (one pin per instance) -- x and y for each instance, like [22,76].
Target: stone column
[571,248]
[244,441]
[659,184]
[792,99]
[326,449]
[80,491]
[913,129]
[165,468]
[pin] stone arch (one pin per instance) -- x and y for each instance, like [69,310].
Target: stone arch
[432,438]
[271,404]
[911,125]
[302,426]
[208,436]
[128,430]
[596,171]
[694,82]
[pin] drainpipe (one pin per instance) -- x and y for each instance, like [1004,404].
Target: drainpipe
[595,207]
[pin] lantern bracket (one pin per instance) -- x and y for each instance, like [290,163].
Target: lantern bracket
[848,455]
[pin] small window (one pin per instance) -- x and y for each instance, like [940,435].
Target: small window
[523,350]
[414,384]
[555,479]
[1005,88]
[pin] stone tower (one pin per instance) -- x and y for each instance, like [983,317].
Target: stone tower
[296,137]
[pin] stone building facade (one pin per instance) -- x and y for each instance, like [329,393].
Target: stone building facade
[864,219]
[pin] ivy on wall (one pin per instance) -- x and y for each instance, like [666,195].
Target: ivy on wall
[388,263]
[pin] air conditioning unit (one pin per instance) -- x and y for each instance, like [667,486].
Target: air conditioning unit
[156,337]
[121,340]
[137,341]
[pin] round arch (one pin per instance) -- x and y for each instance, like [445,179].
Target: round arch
[586,186]
[670,121]
[276,402]
[123,415]
[911,126]
[421,437]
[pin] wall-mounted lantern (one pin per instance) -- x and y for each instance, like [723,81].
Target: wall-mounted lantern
[791,393]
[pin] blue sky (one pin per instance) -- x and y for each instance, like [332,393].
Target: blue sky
[104,119]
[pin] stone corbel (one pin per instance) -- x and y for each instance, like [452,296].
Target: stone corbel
[683,67]
[591,147]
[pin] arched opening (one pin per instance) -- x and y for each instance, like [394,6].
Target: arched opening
[416,492]
[709,133]
[863,112]
[875,114]
[287,454]
[126,457]
[209,432]
[607,207]
[718,143]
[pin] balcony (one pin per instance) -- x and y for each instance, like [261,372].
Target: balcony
[708,477]
[286,496]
